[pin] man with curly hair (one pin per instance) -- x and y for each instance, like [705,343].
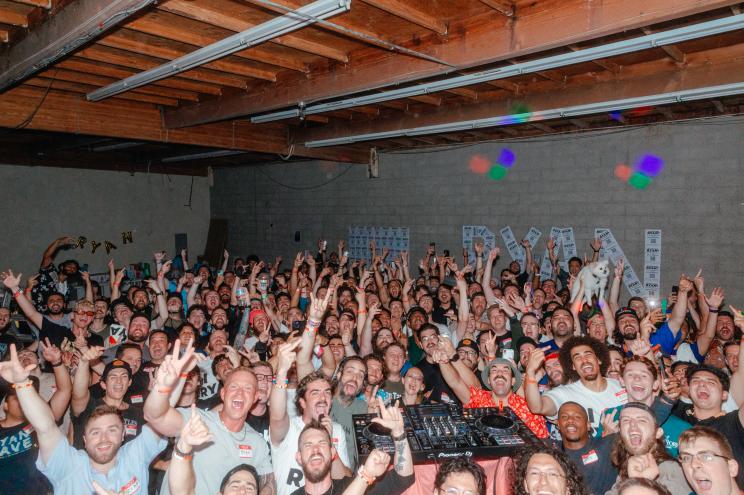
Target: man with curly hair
[584,361]
[460,474]
[542,470]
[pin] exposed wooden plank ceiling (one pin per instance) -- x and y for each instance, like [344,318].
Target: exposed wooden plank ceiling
[377,45]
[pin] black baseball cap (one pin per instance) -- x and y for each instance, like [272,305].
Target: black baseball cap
[115,365]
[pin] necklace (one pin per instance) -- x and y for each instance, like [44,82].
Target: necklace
[233,433]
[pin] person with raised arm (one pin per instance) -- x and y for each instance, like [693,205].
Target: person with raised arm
[104,460]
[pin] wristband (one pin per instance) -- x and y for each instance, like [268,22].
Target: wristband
[165,390]
[400,437]
[712,310]
[595,250]
[58,363]
[178,454]
[17,294]
[367,478]
[361,312]
[184,375]
[530,380]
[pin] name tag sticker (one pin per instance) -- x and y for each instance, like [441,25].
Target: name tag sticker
[590,457]
[245,451]
[130,430]
[622,396]
[136,399]
[132,487]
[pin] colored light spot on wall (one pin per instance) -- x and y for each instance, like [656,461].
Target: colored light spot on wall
[639,181]
[479,164]
[497,172]
[640,112]
[506,158]
[616,115]
[650,165]
[623,172]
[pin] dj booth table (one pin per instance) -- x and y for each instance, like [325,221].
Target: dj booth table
[437,432]
[498,471]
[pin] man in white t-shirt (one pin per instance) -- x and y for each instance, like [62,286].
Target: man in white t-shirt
[313,401]
[585,362]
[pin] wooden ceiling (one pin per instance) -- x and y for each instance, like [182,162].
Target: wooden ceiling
[377,45]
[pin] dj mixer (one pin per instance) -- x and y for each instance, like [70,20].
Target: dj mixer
[440,431]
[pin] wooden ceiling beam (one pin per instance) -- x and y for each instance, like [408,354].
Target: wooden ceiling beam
[79,21]
[84,65]
[178,28]
[404,10]
[580,123]
[504,7]
[60,112]
[82,88]
[223,72]
[672,51]
[604,64]
[464,92]
[232,16]
[542,127]
[427,99]
[712,67]
[15,14]
[540,26]
[44,4]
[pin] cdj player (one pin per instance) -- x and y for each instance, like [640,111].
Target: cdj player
[439,431]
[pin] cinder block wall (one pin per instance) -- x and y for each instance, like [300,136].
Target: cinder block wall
[697,201]
[40,204]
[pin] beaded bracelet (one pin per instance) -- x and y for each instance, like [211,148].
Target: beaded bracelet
[26,384]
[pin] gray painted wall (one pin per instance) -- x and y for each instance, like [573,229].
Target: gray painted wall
[697,200]
[40,204]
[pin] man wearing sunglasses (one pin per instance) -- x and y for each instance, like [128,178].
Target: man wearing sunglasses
[82,317]
[708,462]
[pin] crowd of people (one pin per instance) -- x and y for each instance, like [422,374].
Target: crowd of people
[244,378]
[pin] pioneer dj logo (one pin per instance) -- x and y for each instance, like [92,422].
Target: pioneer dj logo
[467,453]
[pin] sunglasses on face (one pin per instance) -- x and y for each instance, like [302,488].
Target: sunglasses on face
[85,313]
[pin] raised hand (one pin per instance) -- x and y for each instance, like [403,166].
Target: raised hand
[596,244]
[526,244]
[319,306]
[85,276]
[376,463]
[699,281]
[716,298]
[50,352]
[13,371]
[101,490]
[536,360]
[159,256]
[493,254]
[287,356]
[195,431]
[738,317]
[643,466]
[11,281]
[390,418]
[91,354]
[445,344]
[169,371]
[165,268]
[640,346]
[619,268]
[609,425]
[685,285]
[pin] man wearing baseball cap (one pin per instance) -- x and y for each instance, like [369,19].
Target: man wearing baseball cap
[502,379]
[115,381]
[467,349]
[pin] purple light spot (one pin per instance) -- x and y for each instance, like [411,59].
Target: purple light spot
[616,115]
[650,165]
[506,158]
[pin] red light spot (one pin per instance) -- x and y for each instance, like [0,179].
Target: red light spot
[640,112]
[623,172]
[479,164]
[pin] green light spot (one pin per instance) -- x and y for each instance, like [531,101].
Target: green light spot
[497,172]
[639,181]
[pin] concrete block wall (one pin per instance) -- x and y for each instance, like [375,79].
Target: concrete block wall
[697,201]
[40,204]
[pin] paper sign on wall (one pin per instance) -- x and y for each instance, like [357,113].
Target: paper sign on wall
[515,250]
[569,243]
[533,236]
[396,239]
[652,264]
[473,233]
[614,252]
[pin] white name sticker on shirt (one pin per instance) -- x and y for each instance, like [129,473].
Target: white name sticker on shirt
[245,451]
[136,399]
[590,457]
[130,488]
[622,396]
[130,430]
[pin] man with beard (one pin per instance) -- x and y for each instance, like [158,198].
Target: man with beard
[724,335]
[589,453]
[62,280]
[376,373]
[313,401]
[709,389]
[584,361]
[209,366]
[174,303]
[708,462]
[81,318]
[234,442]
[105,460]
[641,380]
[438,389]
[115,382]
[562,325]
[259,416]
[351,381]
[137,333]
[158,344]
[639,451]
[414,321]
[628,325]
[315,453]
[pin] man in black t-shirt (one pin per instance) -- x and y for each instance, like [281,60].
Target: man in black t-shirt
[436,389]
[709,389]
[115,381]
[316,452]
[259,415]
[591,455]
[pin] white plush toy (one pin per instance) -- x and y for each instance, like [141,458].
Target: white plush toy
[594,277]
